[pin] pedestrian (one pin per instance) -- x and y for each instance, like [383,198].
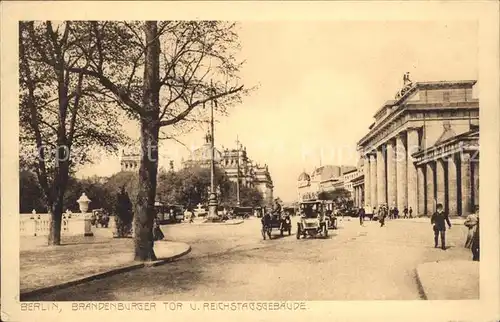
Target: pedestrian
[157,233]
[439,220]
[361,213]
[396,213]
[475,243]
[471,223]
[410,212]
[405,212]
[382,213]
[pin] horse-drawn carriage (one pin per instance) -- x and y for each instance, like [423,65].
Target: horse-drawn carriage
[99,217]
[316,219]
[271,221]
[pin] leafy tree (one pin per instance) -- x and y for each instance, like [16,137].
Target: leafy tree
[160,73]
[249,196]
[62,114]
[124,213]
[339,196]
[190,186]
[30,193]
[95,190]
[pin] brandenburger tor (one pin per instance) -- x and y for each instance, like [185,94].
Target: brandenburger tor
[423,149]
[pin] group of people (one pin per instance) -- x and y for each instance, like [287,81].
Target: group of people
[439,221]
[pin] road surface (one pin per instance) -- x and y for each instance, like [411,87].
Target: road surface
[233,263]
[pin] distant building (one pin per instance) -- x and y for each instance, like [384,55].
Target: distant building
[423,149]
[130,161]
[236,164]
[324,178]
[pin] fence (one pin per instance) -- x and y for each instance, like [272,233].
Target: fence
[39,225]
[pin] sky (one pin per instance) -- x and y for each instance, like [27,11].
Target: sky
[319,85]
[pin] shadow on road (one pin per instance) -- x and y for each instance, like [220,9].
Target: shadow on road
[173,278]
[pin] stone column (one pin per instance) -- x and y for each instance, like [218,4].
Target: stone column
[452,186]
[373,181]
[440,183]
[391,173]
[412,147]
[429,181]
[360,196]
[402,187]
[355,196]
[366,170]
[420,210]
[466,183]
[475,166]
[381,177]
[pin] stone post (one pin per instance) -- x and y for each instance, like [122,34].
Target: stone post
[429,180]
[465,173]
[366,170]
[401,174]
[452,186]
[373,181]
[421,191]
[391,173]
[412,147]
[440,183]
[381,177]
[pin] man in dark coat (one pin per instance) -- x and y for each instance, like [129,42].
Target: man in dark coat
[475,243]
[361,214]
[439,220]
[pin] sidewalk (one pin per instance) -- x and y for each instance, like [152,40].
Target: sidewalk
[427,220]
[449,280]
[44,268]
[201,222]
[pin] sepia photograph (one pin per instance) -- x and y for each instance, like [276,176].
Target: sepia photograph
[247,164]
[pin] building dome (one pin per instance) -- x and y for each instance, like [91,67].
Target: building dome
[204,153]
[304,177]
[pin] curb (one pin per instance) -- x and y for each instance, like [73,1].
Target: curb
[217,224]
[420,286]
[24,296]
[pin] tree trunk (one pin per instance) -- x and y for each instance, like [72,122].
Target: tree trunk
[60,183]
[144,216]
[55,222]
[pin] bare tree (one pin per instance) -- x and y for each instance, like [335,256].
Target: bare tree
[62,114]
[162,74]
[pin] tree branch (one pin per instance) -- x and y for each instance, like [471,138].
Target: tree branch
[184,113]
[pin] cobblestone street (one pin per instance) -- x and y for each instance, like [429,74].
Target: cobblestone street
[234,263]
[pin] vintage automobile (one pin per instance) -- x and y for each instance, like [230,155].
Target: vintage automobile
[169,214]
[99,217]
[282,222]
[243,212]
[313,222]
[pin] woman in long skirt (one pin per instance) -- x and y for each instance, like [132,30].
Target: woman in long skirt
[472,223]
[157,233]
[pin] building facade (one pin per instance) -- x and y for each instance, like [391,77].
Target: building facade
[423,149]
[237,165]
[324,178]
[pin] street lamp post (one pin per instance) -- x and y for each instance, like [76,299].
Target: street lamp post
[212,199]
[238,172]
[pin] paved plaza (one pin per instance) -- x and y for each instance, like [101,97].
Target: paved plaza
[232,262]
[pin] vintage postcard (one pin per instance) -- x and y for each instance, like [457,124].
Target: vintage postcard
[250,160]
